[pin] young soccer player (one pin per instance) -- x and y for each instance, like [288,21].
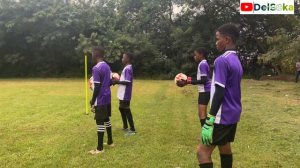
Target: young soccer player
[203,82]
[125,92]
[101,99]
[220,126]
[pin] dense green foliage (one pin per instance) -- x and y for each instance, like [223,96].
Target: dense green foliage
[50,37]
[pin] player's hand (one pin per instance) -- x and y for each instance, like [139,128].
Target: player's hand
[93,109]
[181,83]
[207,130]
[189,80]
[91,103]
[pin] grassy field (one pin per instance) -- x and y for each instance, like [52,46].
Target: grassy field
[43,125]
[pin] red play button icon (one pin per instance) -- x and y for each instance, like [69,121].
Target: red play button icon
[246,7]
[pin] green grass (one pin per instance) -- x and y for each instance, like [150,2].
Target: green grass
[43,125]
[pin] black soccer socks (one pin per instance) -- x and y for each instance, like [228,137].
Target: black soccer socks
[130,119]
[202,121]
[124,118]
[100,133]
[206,165]
[226,160]
[108,130]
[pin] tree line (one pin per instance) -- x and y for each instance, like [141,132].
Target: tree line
[48,38]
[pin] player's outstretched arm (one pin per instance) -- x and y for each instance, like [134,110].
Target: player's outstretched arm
[116,82]
[197,82]
[126,83]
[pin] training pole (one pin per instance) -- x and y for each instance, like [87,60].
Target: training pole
[86,85]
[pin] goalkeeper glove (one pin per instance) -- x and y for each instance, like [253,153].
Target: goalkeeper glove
[207,130]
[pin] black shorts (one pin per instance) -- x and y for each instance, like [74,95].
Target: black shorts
[102,112]
[124,104]
[203,98]
[223,134]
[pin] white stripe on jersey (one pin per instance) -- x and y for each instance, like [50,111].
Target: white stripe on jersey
[212,88]
[121,92]
[218,116]
[122,88]
[220,84]
[212,92]
[199,74]
[227,53]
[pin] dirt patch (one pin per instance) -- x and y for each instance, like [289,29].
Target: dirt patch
[187,92]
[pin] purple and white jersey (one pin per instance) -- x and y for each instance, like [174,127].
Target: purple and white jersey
[228,74]
[203,70]
[102,75]
[125,91]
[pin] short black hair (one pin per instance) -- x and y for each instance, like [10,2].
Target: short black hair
[202,51]
[231,30]
[129,56]
[100,51]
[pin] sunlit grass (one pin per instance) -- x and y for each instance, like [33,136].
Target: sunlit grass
[43,125]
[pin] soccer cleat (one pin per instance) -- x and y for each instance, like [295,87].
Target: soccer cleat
[130,133]
[110,145]
[96,151]
[125,129]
